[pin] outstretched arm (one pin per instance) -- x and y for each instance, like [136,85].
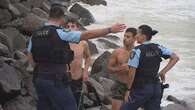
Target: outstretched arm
[101,32]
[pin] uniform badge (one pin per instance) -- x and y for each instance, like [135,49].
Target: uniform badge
[132,55]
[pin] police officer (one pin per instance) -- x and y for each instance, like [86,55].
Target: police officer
[51,52]
[144,62]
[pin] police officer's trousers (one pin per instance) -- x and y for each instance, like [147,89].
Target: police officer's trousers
[54,95]
[148,96]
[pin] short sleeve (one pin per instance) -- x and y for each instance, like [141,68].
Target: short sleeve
[166,52]
[70,36]
[134,58]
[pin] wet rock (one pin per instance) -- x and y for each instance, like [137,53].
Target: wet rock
[95,2]
[39,12]
[100,64]
[112,37]
[86,17]
[5,16]
[92,47]
[107,44]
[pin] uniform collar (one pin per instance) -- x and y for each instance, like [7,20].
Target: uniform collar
[146,42]
[47,24]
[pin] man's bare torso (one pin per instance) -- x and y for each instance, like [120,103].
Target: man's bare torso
[122,57]
[76,65]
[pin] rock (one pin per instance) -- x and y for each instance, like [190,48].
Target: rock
[30,23]
[4,40]
[22,9]
[112,37]
[107,44]
[86,17]
[46,6]
[5,16]
[17,40]
[15,12]
[65,3]
[4,51]
[10,78]
[92,47]
[21,103]
[95,2]
[35,3]
[100,64]
[14,1]
[4,4]
[39,12]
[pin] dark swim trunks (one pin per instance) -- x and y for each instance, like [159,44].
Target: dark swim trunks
[118,90]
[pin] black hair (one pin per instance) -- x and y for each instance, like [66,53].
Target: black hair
[147,30]
[56,11]
[132,30]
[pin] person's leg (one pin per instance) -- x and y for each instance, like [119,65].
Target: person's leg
[155,100]
[43,101]
[61,97]
[76,87]
[116,104]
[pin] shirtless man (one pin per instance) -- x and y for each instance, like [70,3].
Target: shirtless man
[80,64]
[117,65]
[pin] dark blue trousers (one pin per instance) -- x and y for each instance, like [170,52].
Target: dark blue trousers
[148,96]
[54,95]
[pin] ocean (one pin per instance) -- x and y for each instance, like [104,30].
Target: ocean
[175,21]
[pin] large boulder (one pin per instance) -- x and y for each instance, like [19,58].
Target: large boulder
[30,23]
[21,103]
[5,16]
[15,12]
[100,64]
[4,39]
[86,17]
[95,2]
[112,37]
[23,10]
[34,3]
[108,44]
[39,12]
[4,4]
[4,51]
[10,82]
[92,47]
[17,40]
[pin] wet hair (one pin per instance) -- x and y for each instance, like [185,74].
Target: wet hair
[56,11]
[147,30]
[132,30]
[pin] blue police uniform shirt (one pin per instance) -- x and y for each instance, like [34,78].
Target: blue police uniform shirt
[135,55]
[71,36]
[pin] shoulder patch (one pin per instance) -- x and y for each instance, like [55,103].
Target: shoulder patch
[132,55]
